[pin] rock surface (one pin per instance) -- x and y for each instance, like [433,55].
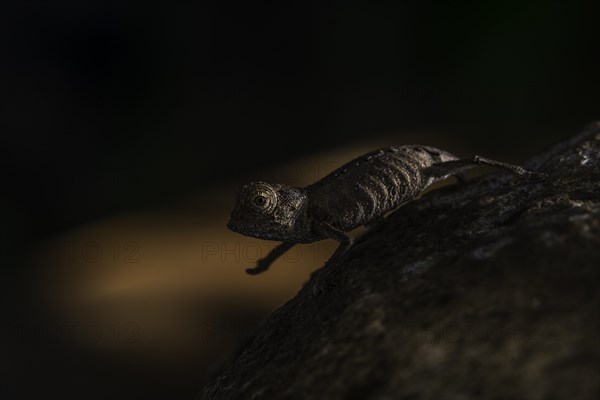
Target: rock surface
[488,289]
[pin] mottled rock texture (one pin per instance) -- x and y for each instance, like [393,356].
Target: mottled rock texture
[488,289]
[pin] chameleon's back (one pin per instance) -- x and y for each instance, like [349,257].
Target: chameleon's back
[371,185]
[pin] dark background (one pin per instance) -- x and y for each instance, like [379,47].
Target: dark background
[110,107]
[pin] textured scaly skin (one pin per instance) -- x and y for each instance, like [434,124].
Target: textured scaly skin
[357,193]
[367,187]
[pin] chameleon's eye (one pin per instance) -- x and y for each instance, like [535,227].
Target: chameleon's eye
[260,196]
[259,200]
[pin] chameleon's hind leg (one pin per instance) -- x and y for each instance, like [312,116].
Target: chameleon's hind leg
[458,168]
[515,169]
[264,263]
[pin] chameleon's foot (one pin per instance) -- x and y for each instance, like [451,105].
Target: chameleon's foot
[264,263]
[256,270]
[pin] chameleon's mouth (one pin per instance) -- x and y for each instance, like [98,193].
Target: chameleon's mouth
[238,227]
[250,230]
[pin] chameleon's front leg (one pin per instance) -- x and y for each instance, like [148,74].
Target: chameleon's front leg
[264,263]
[332,232]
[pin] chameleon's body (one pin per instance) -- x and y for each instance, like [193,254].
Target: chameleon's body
[356,194]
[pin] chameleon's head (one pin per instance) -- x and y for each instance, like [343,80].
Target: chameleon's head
[268,211]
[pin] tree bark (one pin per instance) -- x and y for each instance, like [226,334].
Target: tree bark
[487,289]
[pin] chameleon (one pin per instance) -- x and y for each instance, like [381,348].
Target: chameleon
[358,193]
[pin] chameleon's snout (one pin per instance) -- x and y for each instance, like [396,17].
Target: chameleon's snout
[235,224]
